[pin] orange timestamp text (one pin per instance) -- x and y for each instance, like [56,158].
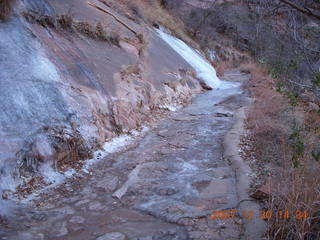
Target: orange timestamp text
[265,215]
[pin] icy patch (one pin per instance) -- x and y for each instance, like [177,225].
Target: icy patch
[55,178]
[112,146]
[212,55]
[6,207]
[204,69]
[50,174]
[187,167]
[7,183]
[169,107]
[132,179]
[43,68]
[227,85]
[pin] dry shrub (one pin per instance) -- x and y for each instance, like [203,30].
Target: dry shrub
[258,73]
[279,142]
[66,22]
[114,38]
[152,12]
[6,7]
[100,32]
[86,29]
[130,70]
[143,43]
[31,185]
[302,203]
[71,149]
[270,129]
[269,104]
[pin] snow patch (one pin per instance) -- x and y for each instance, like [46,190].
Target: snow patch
[55,178]
[169,107]
[112,146]
[204,69]
[50,174]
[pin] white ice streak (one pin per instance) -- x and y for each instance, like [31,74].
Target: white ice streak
[114,145]
[204,69]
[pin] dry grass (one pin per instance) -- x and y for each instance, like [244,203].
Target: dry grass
[71,150]
[6,7]
[288,145]
[143,43]
[152,12]
[302,201]
[66,22]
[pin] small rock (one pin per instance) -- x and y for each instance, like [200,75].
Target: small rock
[81,202]
[166,191]
[185,221]
[223,115]
[95,206]
[112,236]
[245,71]
[62,230]
[313,106]
[205,86]
[77,219]
[65,210]
[146,238]
[265,191]
[7,194]
[109,183]
[260,194]
[173,85]
[174,210]
[309,97]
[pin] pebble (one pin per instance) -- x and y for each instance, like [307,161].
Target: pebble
[95,206]
[62,230]
[77,219]
[112,236]
[82,202]
[174,210]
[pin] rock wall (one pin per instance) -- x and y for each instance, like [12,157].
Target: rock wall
[214,24]
[74,74]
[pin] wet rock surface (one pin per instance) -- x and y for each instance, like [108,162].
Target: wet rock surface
[163,187]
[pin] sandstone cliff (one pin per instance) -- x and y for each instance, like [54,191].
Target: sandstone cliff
[74,74]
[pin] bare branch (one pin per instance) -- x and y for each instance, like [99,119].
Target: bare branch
[304,10]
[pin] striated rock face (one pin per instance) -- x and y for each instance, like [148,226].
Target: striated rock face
[74,74]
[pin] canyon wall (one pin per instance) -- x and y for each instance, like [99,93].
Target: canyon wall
[74,74]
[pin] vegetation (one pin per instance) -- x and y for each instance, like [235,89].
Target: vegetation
[284,36]
[66,22]
[289,145]
[154,12]
[317,79]
[6,7]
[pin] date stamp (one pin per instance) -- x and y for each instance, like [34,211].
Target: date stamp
[252,215]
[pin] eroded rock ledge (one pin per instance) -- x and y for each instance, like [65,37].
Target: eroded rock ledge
[76,78]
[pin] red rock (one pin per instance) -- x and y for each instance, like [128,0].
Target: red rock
[267,190]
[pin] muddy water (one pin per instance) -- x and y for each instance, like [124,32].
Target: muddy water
[163,186]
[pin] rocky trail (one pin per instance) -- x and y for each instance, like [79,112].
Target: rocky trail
[163,186]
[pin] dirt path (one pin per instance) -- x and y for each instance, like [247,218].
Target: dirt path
[164,186]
